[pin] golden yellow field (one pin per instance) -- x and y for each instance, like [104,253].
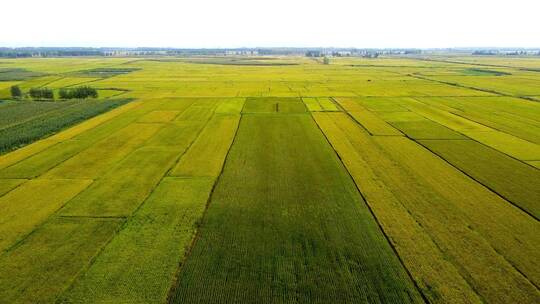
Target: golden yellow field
[279,180]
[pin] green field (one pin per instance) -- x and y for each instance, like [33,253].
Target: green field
[272,180]
[24,122]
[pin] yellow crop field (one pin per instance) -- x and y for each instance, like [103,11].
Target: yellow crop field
[270,179]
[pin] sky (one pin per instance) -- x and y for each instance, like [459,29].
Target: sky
[271,23]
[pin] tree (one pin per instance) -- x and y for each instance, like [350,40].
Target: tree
[16,92]
[48,93]
[78,93]
[35,93]
[326,60]
[63,93]
[41,93]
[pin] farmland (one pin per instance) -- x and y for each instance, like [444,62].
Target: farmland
[272,180]
[24,122]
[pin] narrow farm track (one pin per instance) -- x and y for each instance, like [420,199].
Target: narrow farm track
[286,181]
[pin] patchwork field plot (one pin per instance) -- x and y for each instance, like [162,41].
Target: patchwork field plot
[272,180]
[140,263]
[285,220]
[24,122]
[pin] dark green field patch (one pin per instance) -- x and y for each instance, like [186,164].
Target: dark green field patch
[17,112]
[274,105]
[18,74]
[106,72]
[45,120]
[92,162]
[286,224]
[426,129]
[484,72]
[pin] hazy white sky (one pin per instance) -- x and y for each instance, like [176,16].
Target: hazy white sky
[251,23]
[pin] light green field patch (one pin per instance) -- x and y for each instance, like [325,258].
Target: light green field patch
[512,179]
[210,103]
[371,122]
[481,212]
[5,88]
[176,104]
[139,265]
[534,163]
[39,82]
[382,104]
[312,104]
[177,135]
[230,106]
[18,155]
[43,161]
[159,116]
[42,266]
[473,228]
[400,116]
[514,125]
[444,118]
[196,113]
[108,127]
[109,93]
[426,129]
[437,277]
[95,121]
[516,117]
[517,126]
[103,155]
[122,189]
[207,154]
[32,203]
[327,104]
[508,144]
[70,82]
[7,185]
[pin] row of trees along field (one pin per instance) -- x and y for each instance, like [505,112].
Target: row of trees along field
[46,93]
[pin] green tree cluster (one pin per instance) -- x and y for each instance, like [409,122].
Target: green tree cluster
[16,92]
[41,93]
[78,93]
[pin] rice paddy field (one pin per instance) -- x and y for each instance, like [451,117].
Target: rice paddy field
[272,180]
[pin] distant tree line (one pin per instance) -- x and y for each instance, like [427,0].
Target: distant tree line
[78,93]
[49,52]
[48,94]
[314,54]
[41,93]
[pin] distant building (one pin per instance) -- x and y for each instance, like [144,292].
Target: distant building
[241,52]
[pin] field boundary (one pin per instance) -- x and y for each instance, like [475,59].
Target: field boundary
[196,236]
[387,238]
